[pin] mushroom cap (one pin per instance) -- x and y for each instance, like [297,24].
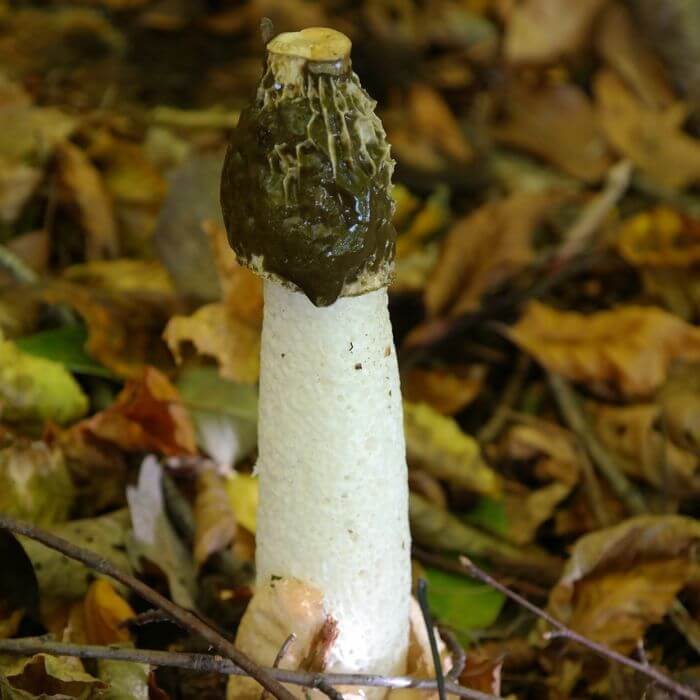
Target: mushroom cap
[305,188]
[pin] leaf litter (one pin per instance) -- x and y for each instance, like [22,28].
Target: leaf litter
[130,334]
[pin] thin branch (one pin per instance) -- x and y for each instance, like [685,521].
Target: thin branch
[422,595]
[561,630]
[607,463]
[184,617]
[278,659]
[209,663]
[459,656]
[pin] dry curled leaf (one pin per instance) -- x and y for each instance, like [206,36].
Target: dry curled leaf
[652,139]
[83,188]
[660,237]
[147,416]
[626,350]
[526,510]
[435,444]
[531,36]
[434,121]
[637,434]
[557,123]
[551,447]
[446,389]
[105,612]
[215,524]
[484,248]
[278,609]
[228,331]
[622,579]
[124,326]
[680,403]
[215,332]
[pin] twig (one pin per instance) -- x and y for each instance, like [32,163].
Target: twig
[278,659]
[422,595]
[593,214]
[607,463]
[209,663]
[16,266]
[563,631]
[184,617]
[493,427]
[459,656]
[145,618]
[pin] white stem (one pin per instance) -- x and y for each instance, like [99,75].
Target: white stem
[333,485]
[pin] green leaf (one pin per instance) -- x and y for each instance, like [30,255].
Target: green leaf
[36,389]
[65,345]
[489,514]
[61,577]
[127,680]
[35,484]
[462,603]
[224,413]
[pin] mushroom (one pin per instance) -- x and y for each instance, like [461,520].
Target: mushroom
[305,193]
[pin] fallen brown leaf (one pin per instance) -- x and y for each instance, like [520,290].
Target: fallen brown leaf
[215,524]
[624,351]
[625,50]
[550,446]
[530,35]
[485,248]
[147,416]
[680,403]
[636,433]
[217,333]
[526,510]
[557,123]
[434,121]
[124,328]
[82,187]
[652,139]
[446,389]
[622,579]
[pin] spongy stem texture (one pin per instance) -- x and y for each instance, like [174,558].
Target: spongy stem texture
[333,508]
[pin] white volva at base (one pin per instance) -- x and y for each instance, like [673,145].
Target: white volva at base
[333,486]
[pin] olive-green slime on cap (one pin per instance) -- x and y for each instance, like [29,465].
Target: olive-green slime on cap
[305,188]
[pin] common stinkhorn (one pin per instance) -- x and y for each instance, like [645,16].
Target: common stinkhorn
[305,193]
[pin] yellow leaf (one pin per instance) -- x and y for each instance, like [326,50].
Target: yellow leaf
[216,332]
[626,350]
[660,237]
[243,494]
[213,514]
[436,444]
[653,140]
[105,610]
[433,217]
